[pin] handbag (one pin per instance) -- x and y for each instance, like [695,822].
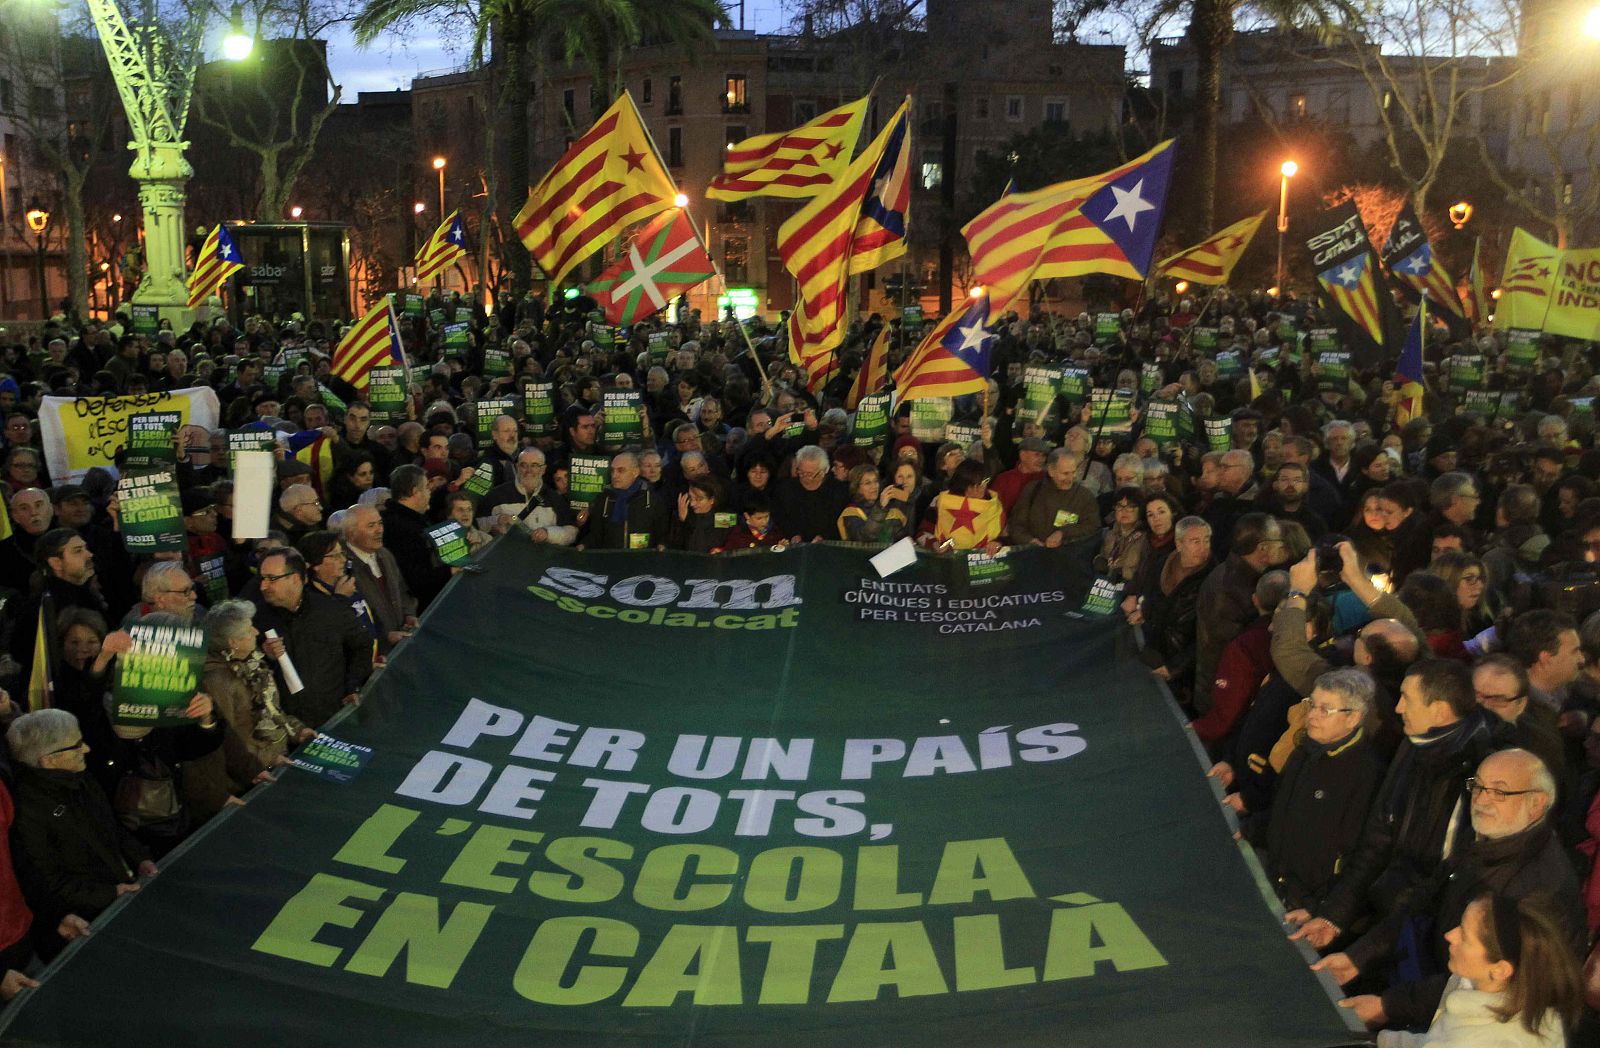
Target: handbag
[147,794]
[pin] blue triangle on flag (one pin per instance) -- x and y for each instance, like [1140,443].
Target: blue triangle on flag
[1128,209]
[970,339]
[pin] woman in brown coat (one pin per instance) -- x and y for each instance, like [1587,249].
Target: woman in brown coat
[239,680]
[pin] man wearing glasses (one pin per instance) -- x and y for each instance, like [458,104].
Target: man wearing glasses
[1501,684]
[1514,852]
[331,651]
[807,505]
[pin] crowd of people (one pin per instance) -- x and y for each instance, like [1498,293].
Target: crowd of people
[1387,635]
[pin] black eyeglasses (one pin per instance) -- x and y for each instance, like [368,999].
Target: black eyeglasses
[67,749]
[1475,788]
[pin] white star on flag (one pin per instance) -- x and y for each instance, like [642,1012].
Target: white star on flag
[974,337]
[225,250]
[1130,202]
[1349,273]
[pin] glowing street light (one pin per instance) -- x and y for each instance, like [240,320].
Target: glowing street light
[1460,214]
[681,200]
[418,208]
[296,211]
[1591,23]
[116,218]
[1288,171]
[976,292]
[238,44]
[438,165]
[1181,286]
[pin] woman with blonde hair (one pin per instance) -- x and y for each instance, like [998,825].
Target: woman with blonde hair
[1469,581]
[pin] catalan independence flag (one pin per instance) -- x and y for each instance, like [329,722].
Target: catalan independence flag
[967,523]
[448,243]
[605,181]
[1352,287]
[855,227]
[1212,260]
[218,260]
[1416,266]
[373,341]
[796,164]
[954,357]
[874,373]
[1408,372]
[313,447]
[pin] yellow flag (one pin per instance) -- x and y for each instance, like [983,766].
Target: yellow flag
[1526,283]
[1575,298]
[1212,260]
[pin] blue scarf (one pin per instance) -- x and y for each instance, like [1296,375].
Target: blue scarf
[620,499]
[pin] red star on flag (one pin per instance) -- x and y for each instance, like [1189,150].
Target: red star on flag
[963,517]
[634,158]
[832,150]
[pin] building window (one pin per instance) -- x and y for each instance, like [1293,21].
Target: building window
[736,259]
[675,94]
[1055,110]
[803,111]
[736,212]
[932,169]
[1014,108]
[675,146]
[980,107]
[932,122]
[1566,193]
[647,93]
[735,133]
[1175,81]
[1297,107]
[569,103]
[733,95]
[6,96]
[1339,106]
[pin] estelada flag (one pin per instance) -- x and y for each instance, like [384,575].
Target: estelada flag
[1212,260]
[855,227]
[1417,269]
[217,261]
[448,243]
[664,259]
[373,341]
[1526,283]
[874,373]
[795,164]
[953,358]
[1106,223]
[607,180]
[966,522]
[1408,373]
[1348,276]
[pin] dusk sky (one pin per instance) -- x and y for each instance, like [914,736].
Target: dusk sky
[387,66]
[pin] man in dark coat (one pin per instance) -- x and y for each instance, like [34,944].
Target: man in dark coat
[405,533]
[628,514]
[1168,610]
[807,505]
[67,567]
[1516,855]
[378,577]
[1225,607]
[330,650]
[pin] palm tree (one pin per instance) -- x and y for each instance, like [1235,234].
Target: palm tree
[598,33]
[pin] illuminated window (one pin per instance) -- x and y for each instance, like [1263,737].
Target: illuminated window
[932,169]
[733,95]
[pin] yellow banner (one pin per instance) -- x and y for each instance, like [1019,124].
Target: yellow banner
[80,433]
[1525,283]
[1575,298]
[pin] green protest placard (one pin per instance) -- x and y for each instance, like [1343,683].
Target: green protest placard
[158,676]
[1323,340]
[1103,598]
[414,305]
[1219,434]
[151,512]
[1107,328]
[1267,358]
[1581,405]
[481,482]
[986,569]
[293,357]
[1075,383]
[486,412]
[1522,352]
[436,318]
[587,477]
[872,421]
[600,331]
[929,417]
[964,433]
[144,320]
[1039,386]
[1483,402]
[911,320]
[645,880]
[457,337]
[539,408]
[272,375]
[386,393]
[1467,371]
[1286,330]
[249,440]
[328,758]
[496,361]
[1229,365]
[1511,402]
[1205,339]
[450,540]
[151,439]
[1110,410]
[624,420]
[1333,372]
[1150,378]
[1161,421]
[661,344]
[213,579]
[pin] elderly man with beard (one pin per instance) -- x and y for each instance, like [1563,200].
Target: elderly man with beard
[167,588]
[1515,853]
[543,511]
[806,506]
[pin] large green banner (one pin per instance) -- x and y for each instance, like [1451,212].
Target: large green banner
[757,800]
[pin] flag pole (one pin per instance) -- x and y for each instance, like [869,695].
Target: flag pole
[766,380]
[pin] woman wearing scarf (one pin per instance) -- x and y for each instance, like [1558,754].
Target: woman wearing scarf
[259,734]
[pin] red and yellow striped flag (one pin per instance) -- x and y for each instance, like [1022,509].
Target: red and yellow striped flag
[448,243]
[874,373]
[373,341]
[605,181]
[1212,260]
[857,226]
[795,164]
[217,261]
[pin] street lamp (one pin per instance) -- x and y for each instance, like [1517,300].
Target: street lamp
[680,200]
[1287,171]
[238,44]
[296,211]
[39,221]
[1460,214]
[418,208]
[1591,23]
[438,165]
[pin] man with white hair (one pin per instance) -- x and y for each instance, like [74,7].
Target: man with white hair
[542,510]
[807,505]
[378,577]
[1516,854]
